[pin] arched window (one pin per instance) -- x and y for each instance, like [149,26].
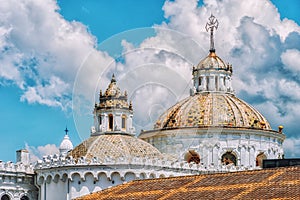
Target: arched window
[123,122]
[259,159]
[5,197]
[192,156]
[99,120]
[110,122]
[24,198]
[228,158]
[200,81]
[207,83]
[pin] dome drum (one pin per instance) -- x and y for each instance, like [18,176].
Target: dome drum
[212,75]
[211,143]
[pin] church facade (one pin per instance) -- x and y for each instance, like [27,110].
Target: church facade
[211,131]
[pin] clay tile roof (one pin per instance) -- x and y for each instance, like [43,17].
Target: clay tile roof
[276,183]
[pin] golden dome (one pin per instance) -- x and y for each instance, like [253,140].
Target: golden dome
[211,109]
[114,147]
[212,61]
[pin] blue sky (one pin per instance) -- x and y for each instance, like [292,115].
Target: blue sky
[36,122]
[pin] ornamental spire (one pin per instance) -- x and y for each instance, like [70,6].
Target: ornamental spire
[113,79]
[211,25]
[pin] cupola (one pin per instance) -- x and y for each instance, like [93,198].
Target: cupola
[212,74]
[113,114]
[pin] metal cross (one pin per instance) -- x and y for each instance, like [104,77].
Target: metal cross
[66,130]
[211,25]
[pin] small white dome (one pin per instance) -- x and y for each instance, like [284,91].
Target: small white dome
[66,145]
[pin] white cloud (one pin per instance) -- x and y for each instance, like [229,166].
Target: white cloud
[37,153]
[185,16]
[290,58]
[38,44]
[43,94]
[292,147]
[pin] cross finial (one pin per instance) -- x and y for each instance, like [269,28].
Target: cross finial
[66,130]
[113,79]
[211,25]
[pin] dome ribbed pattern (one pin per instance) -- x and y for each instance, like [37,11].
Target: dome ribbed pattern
[211,109]
[114,147]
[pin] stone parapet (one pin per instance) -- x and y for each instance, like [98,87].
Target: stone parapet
[16,167]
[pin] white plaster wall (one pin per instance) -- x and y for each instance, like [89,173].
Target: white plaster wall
[246,144]
[87,179]
[117,120]
[56,190]
[16,181]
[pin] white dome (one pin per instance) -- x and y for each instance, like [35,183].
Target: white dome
[66,145]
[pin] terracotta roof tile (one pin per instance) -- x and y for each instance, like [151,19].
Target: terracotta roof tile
[239,178]
[208,194]
[277,183]
[167,184]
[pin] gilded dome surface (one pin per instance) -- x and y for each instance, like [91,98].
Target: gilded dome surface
[211,109]
[114,146]
[212,61]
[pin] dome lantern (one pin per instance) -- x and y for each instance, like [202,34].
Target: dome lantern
[212,74]
[113,114]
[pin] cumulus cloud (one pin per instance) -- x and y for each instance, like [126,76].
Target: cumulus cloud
[37,153]
[41,51]
[291,147]
[44,94]
[290,59]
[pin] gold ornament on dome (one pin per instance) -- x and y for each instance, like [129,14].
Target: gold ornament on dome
[212,109]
